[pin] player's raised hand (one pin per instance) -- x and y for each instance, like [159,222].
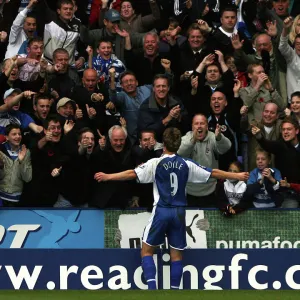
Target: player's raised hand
[242,176]
[100,176]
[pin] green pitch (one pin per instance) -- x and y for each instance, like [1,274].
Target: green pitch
[145,295]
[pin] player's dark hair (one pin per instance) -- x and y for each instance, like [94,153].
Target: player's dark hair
[172,139]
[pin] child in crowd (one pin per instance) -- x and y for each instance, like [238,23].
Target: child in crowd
[165,35]
[264,182]
[230,192]
[261,190]
[104,61]
[15,167]
[230,63]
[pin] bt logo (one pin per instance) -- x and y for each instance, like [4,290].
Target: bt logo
[22,232]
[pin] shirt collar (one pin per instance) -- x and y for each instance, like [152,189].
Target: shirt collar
[227,33]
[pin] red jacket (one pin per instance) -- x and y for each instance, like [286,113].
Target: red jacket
[295,186]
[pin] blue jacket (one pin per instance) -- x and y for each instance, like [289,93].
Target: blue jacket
[129,107]
[264,198]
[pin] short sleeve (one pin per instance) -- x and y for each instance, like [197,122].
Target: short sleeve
[197,173]
[146,172]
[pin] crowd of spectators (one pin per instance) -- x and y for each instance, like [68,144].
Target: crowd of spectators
[89,86]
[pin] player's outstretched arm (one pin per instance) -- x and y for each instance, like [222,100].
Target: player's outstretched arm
[219,174]
[126,175]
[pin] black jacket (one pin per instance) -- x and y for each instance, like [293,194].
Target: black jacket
[287,158]
[77,178]
[151,115]
[222,42]
[200,103]
[112,193]
[82,97]
[43,189]
[229,121]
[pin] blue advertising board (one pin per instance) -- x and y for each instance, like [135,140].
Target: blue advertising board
[52,229]
[116,269]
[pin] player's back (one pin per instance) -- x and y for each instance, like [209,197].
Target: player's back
[171,177]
